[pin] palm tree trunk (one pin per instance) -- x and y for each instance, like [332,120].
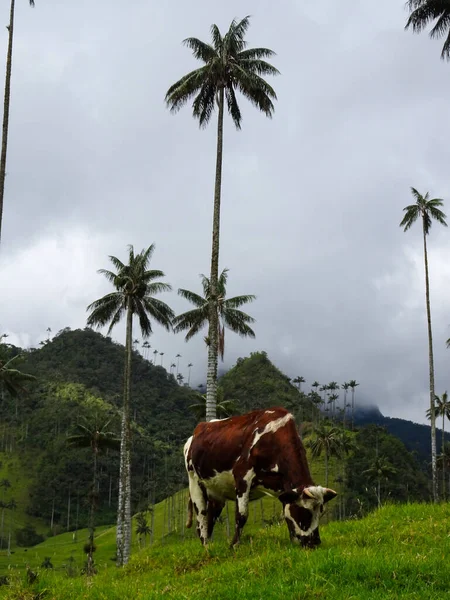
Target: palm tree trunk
[431,366]
[211,379]
[6,111]
[123,537]
[443,450]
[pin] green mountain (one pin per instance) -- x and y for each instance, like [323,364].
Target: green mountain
[80,376]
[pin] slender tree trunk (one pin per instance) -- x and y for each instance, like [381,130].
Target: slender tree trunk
[326,468]
[68,512]
[211,379]
[123,537]
[431,365]
[443,461]
[6,111]
[90,559]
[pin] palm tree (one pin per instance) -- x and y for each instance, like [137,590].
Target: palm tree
[142,527]
[155,354]
[229,314]
[172,366]
[161,355]
[442,409]
[225,408]
[190,365]
[10,29]
[315,384]
[299,380]
[427,210]
[97,437]
[327,440]
[136,287]
[228,66]
[424,12]
[178,356]
[380,469]
[352,383]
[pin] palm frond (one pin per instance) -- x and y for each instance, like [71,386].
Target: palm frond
[411,215]
[117,263]
[421,15]
[255,89]
[150,275]
[238,301]
[255,54]
[157,287]
[144,322]
[145,257]
[200,50]
[184,89]
[237,321]
[438,215]
[233,106]
[204,103]
[259,67]
[160,311]
[116,318]
[193,298]
[103,309]
[192,320]
[110,276]
[217,39]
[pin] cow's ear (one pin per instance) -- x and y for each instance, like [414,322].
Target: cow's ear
[289,497]
[328,495]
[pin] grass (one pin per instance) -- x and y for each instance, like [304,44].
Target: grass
[396,552]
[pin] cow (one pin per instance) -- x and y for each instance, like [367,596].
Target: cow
[245,457]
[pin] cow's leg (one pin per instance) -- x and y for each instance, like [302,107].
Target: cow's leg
[199,500]
[214,509]
[243,486]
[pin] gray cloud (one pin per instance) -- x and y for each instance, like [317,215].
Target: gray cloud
[311,199]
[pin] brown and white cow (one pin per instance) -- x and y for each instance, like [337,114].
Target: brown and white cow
[245,457]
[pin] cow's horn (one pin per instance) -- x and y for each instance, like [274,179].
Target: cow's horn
[308,492]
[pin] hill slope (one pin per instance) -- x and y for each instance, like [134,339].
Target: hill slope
[396,552]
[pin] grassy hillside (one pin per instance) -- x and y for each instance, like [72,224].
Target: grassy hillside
[67,547]
[396,552]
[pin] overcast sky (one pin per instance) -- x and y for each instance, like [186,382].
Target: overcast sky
[312,199]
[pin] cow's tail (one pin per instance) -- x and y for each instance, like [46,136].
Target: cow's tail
[189,514]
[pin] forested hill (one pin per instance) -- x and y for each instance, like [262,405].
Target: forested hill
[415,436]
[80,378]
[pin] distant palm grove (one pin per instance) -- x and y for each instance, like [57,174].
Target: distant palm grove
[92,430]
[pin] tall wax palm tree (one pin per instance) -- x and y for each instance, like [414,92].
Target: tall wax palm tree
[229,66]
[425,12]
[6,103]
[98,438]
[427,209]
[190,365]
[135,289]
[155,354]
[178,356]
[326,440]
[353,385]
[299,380]
[442,409]
[380,469]
[228,311]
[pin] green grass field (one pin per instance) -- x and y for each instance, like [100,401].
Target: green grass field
[396,552]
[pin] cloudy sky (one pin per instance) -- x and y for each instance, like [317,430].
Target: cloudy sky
[312,199]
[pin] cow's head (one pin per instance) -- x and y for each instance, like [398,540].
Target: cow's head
[302,512]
